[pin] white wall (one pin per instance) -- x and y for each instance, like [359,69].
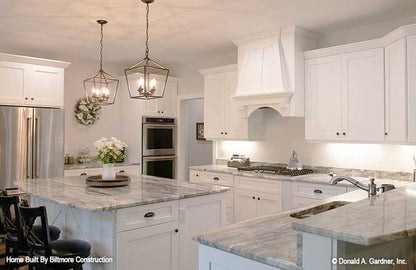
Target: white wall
[198,152]
[79,136]
[281,135]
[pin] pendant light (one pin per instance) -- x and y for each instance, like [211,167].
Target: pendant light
[102,87]
[146,79]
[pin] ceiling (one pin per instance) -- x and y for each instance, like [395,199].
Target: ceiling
[181,31]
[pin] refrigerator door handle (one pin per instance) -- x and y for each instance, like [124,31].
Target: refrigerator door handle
[36,148]
[28,147]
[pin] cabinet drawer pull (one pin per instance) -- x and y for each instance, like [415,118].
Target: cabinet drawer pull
[216,178]
[121,171]
[318,191]
[149,214]
[83,174]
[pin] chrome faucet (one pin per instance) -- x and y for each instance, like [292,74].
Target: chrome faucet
[371,188]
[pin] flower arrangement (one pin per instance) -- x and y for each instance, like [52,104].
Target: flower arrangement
[87,111]
[109,150]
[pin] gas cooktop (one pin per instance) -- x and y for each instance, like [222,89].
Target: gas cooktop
[275,170]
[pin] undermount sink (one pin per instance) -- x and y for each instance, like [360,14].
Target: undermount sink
[318,209]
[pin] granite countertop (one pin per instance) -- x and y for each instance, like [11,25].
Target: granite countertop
[94,165]
[273,240]
[315,178]
[73,192]
[386,217]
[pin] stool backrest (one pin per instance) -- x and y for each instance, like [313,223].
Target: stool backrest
[29,215]
[13,226]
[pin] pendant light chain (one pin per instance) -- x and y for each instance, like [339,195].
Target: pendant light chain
[147,31]
[101,49]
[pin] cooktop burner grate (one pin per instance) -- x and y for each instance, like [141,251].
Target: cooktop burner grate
[275,170]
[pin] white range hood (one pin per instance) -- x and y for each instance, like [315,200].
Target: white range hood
[269,70]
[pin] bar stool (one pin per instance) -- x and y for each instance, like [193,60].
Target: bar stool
[13,228]
[42,246]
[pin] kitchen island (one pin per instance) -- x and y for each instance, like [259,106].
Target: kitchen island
[363,227]
[149,223]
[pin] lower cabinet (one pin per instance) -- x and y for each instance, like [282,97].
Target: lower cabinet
[150,248]
[250,204]
[132,170]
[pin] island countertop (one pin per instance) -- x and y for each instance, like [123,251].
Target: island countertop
[73,192]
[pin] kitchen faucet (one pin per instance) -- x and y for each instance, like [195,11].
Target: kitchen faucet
[370,188]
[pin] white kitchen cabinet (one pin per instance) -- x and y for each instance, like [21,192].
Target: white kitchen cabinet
[221,114]
[46,86]
[220,179]
[166,106]
[27,81]
[147,246]
[251,204]
[197,215]
[323,95]
[395,91]
[363,95]
[345,97]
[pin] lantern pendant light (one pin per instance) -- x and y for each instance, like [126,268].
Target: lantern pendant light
[102,87]
[146,79]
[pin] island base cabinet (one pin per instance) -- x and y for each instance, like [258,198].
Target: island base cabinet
[214,259]
[150,248]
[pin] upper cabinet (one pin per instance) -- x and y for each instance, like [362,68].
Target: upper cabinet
[363,92]
[165,106]
[221,114]
[27,81]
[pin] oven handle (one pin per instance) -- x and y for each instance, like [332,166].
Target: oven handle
[159,158]
[159,125]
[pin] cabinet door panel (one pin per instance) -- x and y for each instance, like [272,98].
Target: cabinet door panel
[145,247]
[12,83]
[269,204]
[395,92]
[363,95]
[169,99]
[323,98]
[46,87]
[411,84]
[214,106]
[236,127]
[245,207]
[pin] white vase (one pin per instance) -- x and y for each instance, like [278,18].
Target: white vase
[108,171]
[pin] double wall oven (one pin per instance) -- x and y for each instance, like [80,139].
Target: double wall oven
[159,147]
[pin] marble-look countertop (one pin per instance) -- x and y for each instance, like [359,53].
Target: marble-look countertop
[315,178]
[73,192]
[272,240]
[94,165]
[386,217]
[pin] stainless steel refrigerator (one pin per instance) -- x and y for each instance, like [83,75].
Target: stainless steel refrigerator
[31,144]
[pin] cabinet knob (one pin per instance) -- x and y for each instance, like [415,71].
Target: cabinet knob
[385,133]
[337,133]
[26,98]
[32,98]
[318,191]
[254,198]
[226,133]
[149,214]
[162,111]
[343,133]
[158,111]
[258,199]
[222,133]
[176,230]
[196,175]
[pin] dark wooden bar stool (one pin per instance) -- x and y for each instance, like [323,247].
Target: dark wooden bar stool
[11,221]
[43,246]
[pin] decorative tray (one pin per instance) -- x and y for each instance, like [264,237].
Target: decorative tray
[97,181]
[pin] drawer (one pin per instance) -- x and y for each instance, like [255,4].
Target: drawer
[316,191]
[82,172]
[260,185]
[131,170]
[221,179]
[195,176]
[146,215]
